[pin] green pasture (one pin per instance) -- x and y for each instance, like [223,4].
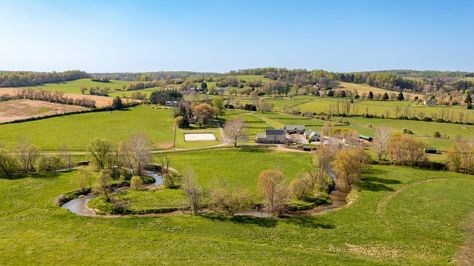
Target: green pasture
[75,86]
[401,216]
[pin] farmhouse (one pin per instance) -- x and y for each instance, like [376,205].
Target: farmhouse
[314,136]
[293,129]
[275,136]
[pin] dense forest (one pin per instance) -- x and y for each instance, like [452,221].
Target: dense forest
[149,76]
[25,78]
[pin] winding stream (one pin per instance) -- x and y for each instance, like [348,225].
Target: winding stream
[79,205]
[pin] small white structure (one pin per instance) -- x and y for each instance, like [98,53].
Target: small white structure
[199,137]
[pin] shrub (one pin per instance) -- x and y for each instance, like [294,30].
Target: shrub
[301,188]
[171,180]
[50,163]
[230,201]
[136,182]
[299,205]
[437,135]
[8,164]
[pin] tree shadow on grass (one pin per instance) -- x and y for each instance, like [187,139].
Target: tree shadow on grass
[242,219]
[309,222]
[253,148]
[33,175]
[371,181]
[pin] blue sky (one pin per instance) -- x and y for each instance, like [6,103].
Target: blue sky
[136,36]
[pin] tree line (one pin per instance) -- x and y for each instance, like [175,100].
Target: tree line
[25,78]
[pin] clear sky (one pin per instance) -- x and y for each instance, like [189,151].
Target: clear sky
[212,35]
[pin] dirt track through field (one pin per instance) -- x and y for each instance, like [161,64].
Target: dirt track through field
[465,256]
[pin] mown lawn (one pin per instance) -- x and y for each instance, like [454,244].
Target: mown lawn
[398,218]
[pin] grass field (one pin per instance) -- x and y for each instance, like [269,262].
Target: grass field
[75,86]
[238,168]
[401,216]
[77,131]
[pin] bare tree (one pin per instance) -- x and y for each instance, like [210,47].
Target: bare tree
[192,190]
[235,129]
[84,178]
[271,184]
[380,143]
[136,152]
[66,156]
[102,184]
[302,187]
[26,154]
[229,201]
[348,165]
[101,152]
[8,164]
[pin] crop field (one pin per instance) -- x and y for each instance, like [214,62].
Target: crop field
[23,109]
[401,216]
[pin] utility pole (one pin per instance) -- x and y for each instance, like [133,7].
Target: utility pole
[174,137]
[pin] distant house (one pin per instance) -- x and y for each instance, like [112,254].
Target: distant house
[275,136]
[429,102]
[314,137]
[294,129]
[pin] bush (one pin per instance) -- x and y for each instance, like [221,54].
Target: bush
[50,163]
[299,205]
[301,188]
[171,180]
[8,164]
[437,135]
[136,182]
[230,201]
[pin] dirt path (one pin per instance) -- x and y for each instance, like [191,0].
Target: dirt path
[465,255]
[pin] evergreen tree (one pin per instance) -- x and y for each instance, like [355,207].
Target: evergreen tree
[370,96]
[385,96]
[400,96]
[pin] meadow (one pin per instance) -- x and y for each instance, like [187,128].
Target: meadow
[401,216]
[77,131]
[74,86]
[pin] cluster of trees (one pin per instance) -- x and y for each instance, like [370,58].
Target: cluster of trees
[96,91]
[162,96]
[54,97]
[461,157]
[161,75]
[127,158]
[385,80]
[23,78]
[24,158]
[198,112]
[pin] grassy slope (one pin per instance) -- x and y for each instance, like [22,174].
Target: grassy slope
[237,167]
[75,86]
[78,130]
[420,224]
